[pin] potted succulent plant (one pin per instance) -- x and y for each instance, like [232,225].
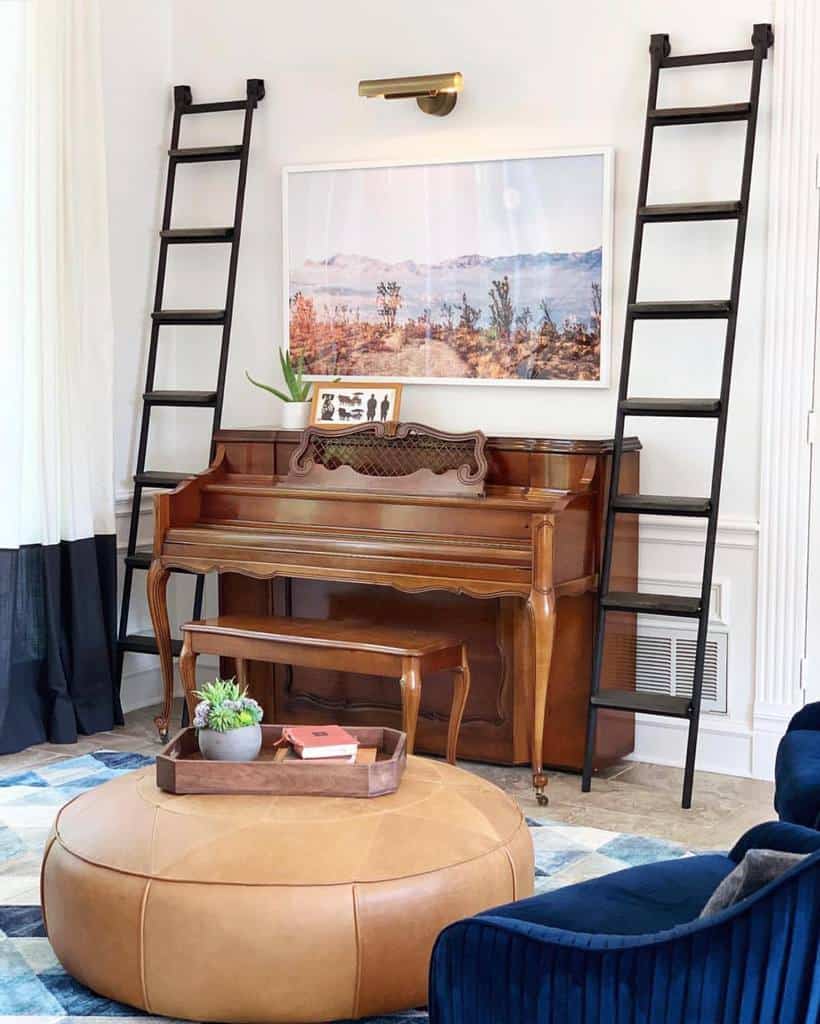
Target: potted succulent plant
[296,400]
[228,722]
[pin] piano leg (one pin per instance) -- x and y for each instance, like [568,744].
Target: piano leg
[410,699]
[461,691]
[541,607]
[187,670]
[158,607]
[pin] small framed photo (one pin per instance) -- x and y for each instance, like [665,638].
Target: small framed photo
[347,403]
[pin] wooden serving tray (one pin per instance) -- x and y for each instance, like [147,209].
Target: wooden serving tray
[181,768]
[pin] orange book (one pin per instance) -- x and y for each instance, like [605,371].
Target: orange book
[313,741]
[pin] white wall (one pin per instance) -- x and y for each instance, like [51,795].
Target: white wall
[537,76]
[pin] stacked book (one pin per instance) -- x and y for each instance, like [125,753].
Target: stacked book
[329,744]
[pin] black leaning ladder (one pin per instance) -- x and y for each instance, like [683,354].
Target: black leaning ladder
[714,408]
[136,559]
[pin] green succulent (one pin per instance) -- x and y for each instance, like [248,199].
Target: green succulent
[219,690]
[223,706]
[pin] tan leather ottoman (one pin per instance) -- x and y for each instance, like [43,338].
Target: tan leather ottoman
[258,908]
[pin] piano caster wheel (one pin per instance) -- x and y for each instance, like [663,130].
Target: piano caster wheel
[539,781]
[162,729]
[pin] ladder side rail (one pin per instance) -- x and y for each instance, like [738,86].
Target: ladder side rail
[658,48]
[182,97]
[761,41]
[255,92]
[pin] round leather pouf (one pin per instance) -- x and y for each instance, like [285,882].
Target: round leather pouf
[267,908]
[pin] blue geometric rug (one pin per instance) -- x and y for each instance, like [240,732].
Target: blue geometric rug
[33,986]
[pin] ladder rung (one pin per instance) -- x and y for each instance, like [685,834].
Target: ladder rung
[651,604]
[141,643]
[668,212]
[692,60]
[197,399]
[661,505]
[213,108]
[160,478]
[648,703]
[141,559]
[696,407]
[700,115]
[201,154]
[189,316]
[193,235]
[679,310]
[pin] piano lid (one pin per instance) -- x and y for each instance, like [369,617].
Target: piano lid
[563,444]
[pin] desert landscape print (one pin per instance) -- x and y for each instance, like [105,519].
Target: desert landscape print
[489,270]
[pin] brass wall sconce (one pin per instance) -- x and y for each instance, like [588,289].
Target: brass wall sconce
[435,94]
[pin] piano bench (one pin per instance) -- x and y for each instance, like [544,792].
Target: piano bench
[346,646]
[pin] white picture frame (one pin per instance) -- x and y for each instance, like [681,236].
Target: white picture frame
[603,218]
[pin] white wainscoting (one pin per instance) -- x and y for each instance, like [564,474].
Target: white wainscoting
[671,555]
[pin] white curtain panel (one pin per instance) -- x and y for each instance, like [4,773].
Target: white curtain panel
[56,357]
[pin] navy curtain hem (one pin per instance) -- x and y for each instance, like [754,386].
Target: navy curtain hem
[57,642]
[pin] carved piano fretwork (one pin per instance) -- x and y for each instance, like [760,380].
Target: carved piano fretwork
[528,548]
[392,458]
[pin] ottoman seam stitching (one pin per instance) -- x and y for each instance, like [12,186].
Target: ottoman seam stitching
[512,873]
[143,909]
[145,1000]
[358,985]
[502,844]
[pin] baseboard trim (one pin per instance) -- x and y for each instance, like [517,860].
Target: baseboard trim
[770,722]
[142,687]
[724,746]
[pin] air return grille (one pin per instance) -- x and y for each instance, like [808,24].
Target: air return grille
[665,662]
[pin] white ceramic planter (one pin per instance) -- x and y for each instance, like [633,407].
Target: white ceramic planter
[295,415]
[234,745]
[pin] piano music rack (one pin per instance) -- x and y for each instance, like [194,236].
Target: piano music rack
[391,458]
[137,559]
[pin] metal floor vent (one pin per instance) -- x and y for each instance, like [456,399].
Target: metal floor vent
[663,662]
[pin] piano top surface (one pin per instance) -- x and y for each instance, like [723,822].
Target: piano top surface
[580,444]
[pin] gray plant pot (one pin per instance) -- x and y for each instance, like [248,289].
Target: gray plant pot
[234,745]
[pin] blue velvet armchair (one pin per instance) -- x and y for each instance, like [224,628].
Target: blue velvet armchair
[797,770]
[629,948]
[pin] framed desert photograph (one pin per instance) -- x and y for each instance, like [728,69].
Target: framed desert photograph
[471,271]
[348,402]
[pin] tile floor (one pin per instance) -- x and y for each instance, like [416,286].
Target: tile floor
[642,799]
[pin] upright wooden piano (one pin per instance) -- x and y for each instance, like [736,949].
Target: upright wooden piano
[515,571]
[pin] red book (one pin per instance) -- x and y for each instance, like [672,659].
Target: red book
[312,741]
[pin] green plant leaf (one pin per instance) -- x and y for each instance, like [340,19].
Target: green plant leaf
[298,388]
[266,387]
[304,386]
[288,374]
